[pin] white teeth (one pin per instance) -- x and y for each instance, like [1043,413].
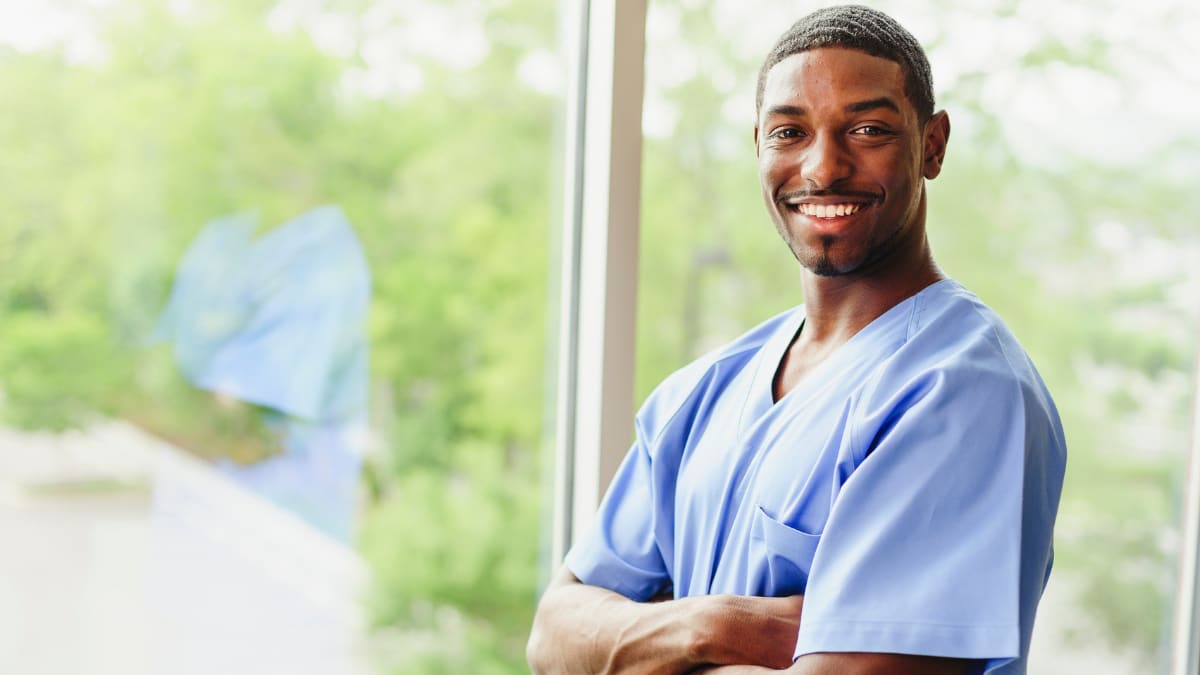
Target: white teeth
[828,210]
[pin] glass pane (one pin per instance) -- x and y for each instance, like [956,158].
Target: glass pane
[1065,204]
[273,310]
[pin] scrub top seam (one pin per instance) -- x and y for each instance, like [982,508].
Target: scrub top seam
[702,378]
[996,340]
[858,450]
[914,321]
[872,622]
[994,334]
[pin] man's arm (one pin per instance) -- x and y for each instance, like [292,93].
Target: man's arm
[581,629]
[859,664]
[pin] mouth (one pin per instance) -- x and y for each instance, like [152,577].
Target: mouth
[826,205]
[825,211]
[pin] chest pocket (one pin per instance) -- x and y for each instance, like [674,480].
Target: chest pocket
[781,555]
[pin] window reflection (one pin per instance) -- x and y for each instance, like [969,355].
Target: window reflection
[278,321]
[200,467]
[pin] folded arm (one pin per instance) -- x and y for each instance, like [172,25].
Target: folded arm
[858,664]
[582,629]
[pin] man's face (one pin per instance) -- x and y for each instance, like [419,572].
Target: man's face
[841,157]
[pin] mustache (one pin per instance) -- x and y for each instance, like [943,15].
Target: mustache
[801,195]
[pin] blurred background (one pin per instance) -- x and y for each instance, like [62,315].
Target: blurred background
[277,307]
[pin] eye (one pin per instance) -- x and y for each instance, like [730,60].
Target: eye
[785,133]
[871,130]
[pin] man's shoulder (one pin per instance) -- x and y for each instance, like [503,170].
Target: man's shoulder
[956,339]
[951,327]
[709,373]
[962,370]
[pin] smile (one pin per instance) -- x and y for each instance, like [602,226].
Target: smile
[825,210]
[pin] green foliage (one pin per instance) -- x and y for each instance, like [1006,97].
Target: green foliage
[110,169]
[460,540]
[56,367]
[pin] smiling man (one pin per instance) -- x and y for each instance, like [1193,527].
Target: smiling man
[864,484]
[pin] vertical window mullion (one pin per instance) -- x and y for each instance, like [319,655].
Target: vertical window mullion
[599,297]
[1185,657]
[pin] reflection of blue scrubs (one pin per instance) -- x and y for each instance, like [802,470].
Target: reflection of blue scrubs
[280,321]
[907,485]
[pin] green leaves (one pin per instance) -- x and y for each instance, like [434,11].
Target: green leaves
[109,170]
[56,367]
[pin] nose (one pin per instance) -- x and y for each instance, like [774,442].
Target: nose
[825,163]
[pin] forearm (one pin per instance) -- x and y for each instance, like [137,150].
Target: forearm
[833,663]
[581,629]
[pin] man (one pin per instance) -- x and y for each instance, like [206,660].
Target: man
[864,484]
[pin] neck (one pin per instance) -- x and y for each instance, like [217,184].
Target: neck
[835,308]
[838,307]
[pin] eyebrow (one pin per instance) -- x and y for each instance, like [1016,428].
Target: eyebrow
[856,107]
[787,110]
[872,104]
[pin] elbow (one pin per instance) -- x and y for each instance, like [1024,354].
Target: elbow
[535,650]
[543,651]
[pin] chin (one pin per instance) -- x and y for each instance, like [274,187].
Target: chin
[826,268]
[822,264]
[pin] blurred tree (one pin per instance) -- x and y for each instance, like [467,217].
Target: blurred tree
[200,109]
[113,165]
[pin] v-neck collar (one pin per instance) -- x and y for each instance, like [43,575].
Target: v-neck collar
[889,327]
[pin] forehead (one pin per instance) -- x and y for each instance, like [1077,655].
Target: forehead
[833,75]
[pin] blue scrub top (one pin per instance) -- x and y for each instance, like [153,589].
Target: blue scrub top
[907,486]
[278,320]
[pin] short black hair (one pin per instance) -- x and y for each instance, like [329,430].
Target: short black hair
[866,30]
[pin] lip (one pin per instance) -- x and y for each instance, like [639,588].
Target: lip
[827,224]
[839,196]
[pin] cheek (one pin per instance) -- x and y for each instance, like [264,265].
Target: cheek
[900,180]
[772,171]
[765,179]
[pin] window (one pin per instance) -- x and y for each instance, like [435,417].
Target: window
[273,325]
[361,194]
[1064,204]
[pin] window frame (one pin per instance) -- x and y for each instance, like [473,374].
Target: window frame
[598,297]
[1185,638]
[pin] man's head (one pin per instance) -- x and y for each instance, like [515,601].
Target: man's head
[865,30]
[846,136]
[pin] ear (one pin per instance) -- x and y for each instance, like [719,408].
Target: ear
[756,140]
[937,135]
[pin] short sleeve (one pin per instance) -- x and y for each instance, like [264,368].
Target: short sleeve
[922,551]
[620,551]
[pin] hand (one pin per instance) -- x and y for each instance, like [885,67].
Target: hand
[743,630]
[587,629]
